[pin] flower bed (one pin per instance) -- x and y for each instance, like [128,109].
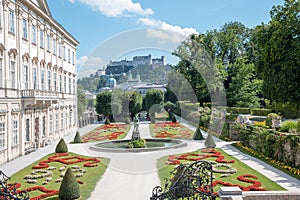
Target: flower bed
[171,130]
[227,171]
[107,132]
[42,179]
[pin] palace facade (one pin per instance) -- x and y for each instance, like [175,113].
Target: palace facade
[37,78]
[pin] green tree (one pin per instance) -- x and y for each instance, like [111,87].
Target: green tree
[69,188]
[103,103]
[135,102]
[245,87]
[277,46]
[81,101]
[153,100]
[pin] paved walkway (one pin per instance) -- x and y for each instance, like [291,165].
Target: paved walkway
[133,175]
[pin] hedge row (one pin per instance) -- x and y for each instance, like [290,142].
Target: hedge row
[270,143]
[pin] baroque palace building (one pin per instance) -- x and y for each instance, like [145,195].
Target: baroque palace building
[38,100]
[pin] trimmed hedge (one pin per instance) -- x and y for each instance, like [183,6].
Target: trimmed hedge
[69,188]
[61,147]
[198,135]
[240,110]
[209,141]
[260,111]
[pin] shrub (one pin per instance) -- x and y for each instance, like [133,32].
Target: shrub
[69,188]
[141,143]
[288,126]
[61,147]
[77,138]
[240,110]
[298,126]
[204,120]
[260,111]
[198,135]
[174,120]
[209,141]
[107,121]
[127,120]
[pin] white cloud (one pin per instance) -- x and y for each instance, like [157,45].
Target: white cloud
[86,61]
[166,31]
[116,8]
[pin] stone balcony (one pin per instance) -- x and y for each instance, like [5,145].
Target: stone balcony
[39,98]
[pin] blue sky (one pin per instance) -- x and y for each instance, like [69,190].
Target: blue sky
[98,24]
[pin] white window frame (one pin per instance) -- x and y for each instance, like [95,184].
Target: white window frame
[15,131]
[13,74]
[27,130]
[25,28]
[42,39]
[2,136]
[33,32]
[11,21]
[26,76]
[50,123]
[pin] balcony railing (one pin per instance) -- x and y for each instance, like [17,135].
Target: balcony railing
[39,94]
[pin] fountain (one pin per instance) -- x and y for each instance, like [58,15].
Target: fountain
[137,144]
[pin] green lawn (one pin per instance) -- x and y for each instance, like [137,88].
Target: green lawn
[164,172]
[90,178]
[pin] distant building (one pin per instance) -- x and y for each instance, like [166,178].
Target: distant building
[123,66]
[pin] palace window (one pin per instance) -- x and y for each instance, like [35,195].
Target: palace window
[50,123]
[70,86]
[48,43]
[54,46]
[65,84]
[26,76]
[13,74]
[1,72]
[11,21]
[2,136]
[60,83]
[49,80]
[56,123]
[69,56]
[55,83]
[15,130]
[43,79]
[41,38]
[35,78]
[25,29]
[33,34]
[27,134]
[62,121]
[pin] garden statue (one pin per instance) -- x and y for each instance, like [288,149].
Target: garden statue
[135,132]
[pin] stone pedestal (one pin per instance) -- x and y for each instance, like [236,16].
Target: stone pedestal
[230,193]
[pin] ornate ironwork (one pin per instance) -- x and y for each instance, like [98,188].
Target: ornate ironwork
[191,181]
[9,191]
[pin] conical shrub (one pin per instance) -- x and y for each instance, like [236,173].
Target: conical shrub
[61,147]
[209,141]
[77,138]
[198,135]
[69,188]
[107,121]
[174,120]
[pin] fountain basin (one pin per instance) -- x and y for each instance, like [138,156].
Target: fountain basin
[119,146]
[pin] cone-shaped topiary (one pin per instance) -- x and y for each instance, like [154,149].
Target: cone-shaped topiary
[209,141]
[61,147]
[77,138]
[107,121]
[127,120]
[198,135]
[69,188]
[174,120]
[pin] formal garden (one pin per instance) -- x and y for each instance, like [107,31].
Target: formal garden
[227,170]
[60,175]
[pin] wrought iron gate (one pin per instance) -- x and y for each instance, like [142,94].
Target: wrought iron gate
[191,181]
[9,191]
